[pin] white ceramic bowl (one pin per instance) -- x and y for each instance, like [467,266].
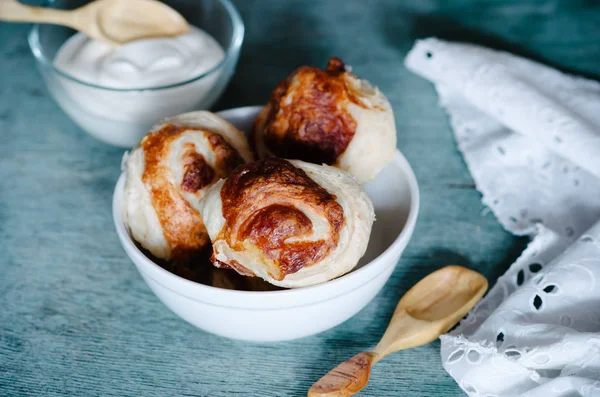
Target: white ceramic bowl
[294,313]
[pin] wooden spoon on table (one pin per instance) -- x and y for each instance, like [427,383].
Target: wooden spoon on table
[112,21]
[430,308]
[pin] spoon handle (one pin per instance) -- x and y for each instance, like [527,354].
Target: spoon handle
[13,11]
[426,311]
[405,332]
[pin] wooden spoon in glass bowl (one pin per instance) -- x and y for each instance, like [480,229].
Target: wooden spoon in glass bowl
[112,21]
[430,308]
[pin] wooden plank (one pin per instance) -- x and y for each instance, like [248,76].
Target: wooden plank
[78,320]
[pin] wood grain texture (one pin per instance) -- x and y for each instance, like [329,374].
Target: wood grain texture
[76,318]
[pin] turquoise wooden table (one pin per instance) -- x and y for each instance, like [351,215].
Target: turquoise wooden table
[75,316]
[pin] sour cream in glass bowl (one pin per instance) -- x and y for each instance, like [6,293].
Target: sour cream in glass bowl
[117,94]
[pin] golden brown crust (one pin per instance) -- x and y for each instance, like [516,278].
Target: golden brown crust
[227,157]
[306,117]
[259,204]
[181,223]
[198,173]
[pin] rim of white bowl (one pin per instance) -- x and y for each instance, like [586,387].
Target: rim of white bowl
[232,51]
[221,294]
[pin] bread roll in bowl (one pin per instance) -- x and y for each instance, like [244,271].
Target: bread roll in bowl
[167,174]
[328,117]
[290,223]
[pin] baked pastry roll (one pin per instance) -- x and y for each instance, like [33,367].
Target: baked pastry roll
[290,223]
[328,117]
[169,171]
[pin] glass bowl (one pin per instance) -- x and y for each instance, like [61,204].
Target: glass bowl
[121,117]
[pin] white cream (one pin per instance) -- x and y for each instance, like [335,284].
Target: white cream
[122,118]
[142,63]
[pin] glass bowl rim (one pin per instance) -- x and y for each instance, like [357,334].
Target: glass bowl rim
[231,52]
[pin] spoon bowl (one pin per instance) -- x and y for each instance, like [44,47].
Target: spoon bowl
[124,21]
[112,21]
[432,300]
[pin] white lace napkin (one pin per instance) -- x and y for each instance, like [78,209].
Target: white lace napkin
[530,136]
